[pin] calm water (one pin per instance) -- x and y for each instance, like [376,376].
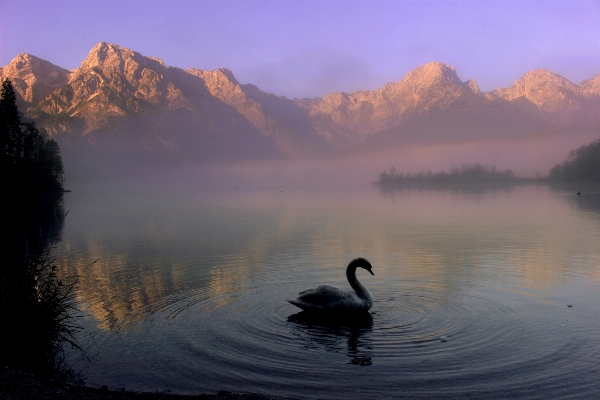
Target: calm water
[189,287]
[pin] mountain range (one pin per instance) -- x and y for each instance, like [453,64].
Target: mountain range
[124,100]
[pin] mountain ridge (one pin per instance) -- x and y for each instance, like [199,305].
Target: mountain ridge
[117,93]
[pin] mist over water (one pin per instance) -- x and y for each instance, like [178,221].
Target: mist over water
[195,263]
[352,168]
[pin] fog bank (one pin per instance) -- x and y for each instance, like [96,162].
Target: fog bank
[86,167]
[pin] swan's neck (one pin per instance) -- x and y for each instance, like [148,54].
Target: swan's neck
[360,290]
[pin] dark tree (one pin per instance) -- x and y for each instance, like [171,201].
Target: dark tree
[10,127]
[30,161]
[583,164]
[35,302]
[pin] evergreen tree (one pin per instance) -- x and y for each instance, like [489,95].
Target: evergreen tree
[10,127]
[35,302]
[29,160]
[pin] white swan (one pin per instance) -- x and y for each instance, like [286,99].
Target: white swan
[327,298]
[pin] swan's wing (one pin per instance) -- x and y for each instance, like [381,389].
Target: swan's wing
[323,295]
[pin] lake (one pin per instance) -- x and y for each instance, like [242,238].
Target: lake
[183,288]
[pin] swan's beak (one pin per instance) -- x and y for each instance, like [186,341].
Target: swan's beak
[371,272]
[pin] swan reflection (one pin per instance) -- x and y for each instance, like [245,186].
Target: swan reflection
[330,331]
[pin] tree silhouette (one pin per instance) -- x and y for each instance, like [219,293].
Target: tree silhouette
[583,164]
[10,129]
[467,173]
[29,159]
[35,302]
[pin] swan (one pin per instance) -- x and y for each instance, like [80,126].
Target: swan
[327,298]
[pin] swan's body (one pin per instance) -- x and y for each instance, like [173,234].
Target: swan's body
[331,298]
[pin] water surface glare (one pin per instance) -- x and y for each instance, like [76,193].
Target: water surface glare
[189,290]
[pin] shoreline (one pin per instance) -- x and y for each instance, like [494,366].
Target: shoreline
[19,385]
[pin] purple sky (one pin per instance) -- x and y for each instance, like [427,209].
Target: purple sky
[309,48]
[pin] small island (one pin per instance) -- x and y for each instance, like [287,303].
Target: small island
[581,166]
[465,174]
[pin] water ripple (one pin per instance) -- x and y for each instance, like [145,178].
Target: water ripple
[253,339]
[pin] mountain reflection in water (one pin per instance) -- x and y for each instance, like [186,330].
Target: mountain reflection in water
[189,290]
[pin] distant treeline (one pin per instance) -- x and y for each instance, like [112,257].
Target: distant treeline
[583,164]
[466,173]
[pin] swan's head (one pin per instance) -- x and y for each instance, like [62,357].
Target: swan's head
[362,263]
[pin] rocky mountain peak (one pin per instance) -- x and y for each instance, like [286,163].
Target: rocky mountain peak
[112,82]
[106,54]
[556,97]
[432,73]
[472,84]
[113,59]
[98,54]
[33,78]
[158,60]
[227,72]
[542,74]
[536,85]
[431,81]
[24,61]
[436,67]
[591,87]
[122,70]
[217,77]
[117,91]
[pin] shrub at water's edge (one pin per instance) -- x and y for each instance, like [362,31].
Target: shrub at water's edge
[582,165]
[38,306]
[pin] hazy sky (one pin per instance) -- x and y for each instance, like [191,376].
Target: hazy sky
[309,48]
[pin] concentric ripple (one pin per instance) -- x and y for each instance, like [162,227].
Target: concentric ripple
[190,296]
[251,338]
